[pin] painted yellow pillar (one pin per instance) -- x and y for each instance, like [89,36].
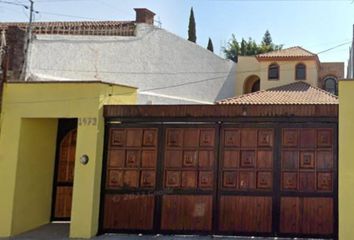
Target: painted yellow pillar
[346,159]
[85,208]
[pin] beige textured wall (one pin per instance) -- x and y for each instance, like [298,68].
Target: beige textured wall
[248,66]
[287,73]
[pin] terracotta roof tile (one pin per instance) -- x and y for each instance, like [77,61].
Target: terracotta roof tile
[287,52]
[125,28]
[299,93]
[67,24]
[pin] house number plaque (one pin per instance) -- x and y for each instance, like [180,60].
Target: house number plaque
[87,121]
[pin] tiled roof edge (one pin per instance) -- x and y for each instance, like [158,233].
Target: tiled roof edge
[266,55]
[279,88]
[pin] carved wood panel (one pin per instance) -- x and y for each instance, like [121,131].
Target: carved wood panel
[189,158]
[132,158]
[307,163]
[247,159]
[188,166]
[131,165]
[246,165]
[307,166]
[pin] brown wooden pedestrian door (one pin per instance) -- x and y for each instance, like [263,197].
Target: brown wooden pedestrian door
[64,177]
[240,179]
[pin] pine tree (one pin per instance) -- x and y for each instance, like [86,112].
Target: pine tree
[192,36]
[267,44]
[210,46]
[267,39]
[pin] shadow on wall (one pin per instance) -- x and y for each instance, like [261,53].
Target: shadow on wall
[228,88]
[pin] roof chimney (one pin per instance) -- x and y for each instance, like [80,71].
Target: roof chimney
[144,15]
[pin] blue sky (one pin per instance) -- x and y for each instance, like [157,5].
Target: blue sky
[314,25]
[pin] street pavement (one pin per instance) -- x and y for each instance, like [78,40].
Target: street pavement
[61,232]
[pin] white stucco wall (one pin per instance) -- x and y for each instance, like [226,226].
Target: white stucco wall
[164,67]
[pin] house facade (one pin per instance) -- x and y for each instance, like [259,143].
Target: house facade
[286,66]
[72,149]
[57,98]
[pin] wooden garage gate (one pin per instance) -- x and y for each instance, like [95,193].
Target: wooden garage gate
[249,176]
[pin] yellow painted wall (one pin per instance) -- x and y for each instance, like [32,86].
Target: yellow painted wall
[346,160]
[9,143]
[35,169]
[25,105]
[89,142]
[287,73]
[248,66]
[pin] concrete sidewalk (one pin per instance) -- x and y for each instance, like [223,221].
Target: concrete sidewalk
[56,231]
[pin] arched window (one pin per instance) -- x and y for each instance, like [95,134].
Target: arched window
[273,71]
[300,71]
[330,85]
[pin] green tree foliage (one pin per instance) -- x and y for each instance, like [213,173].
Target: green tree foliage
[192,35]
[210,46]
[249,47]
[233,49]
[243,47]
